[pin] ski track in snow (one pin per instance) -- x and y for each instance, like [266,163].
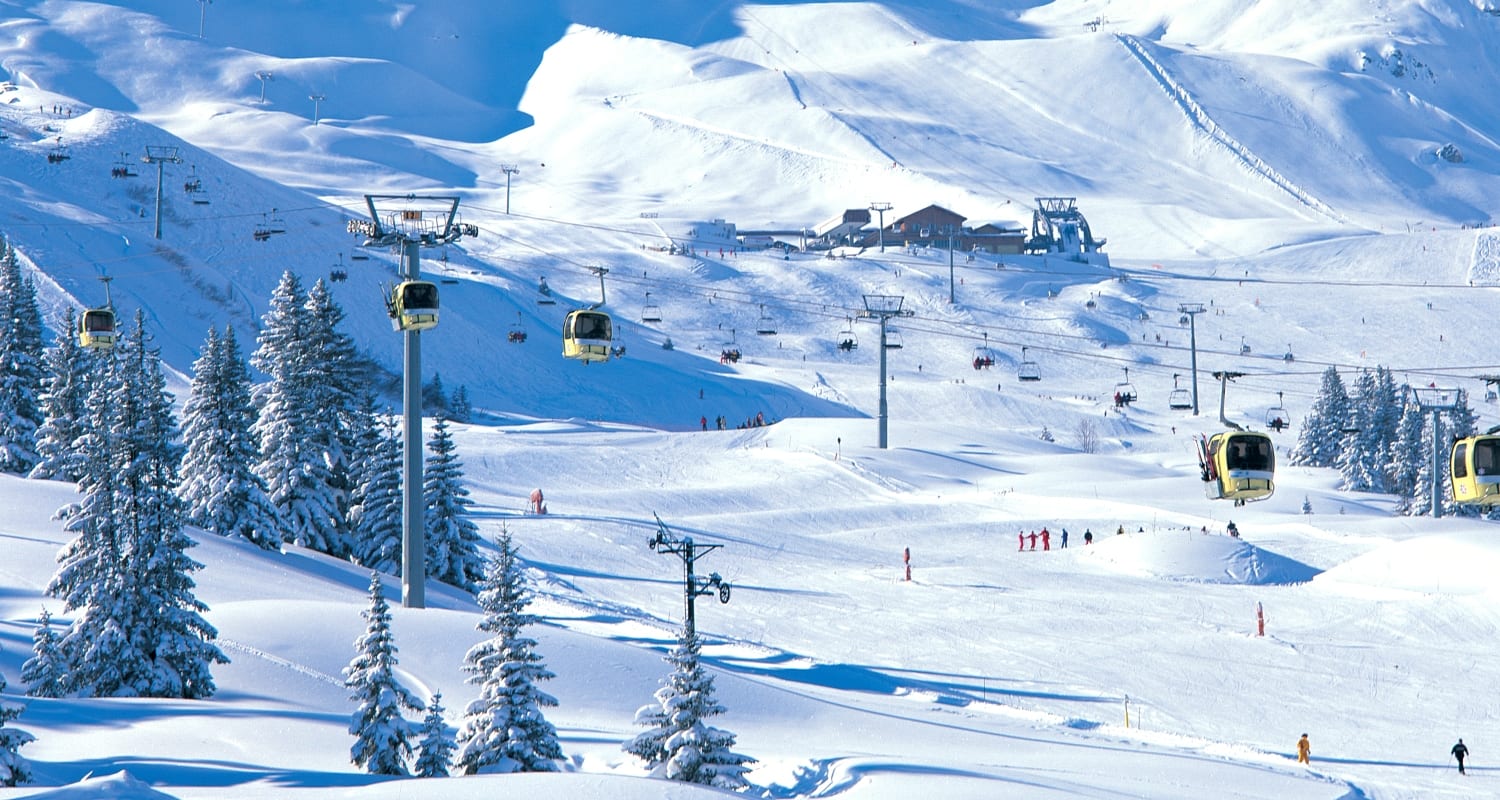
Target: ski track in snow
[301,669]
[1201,120]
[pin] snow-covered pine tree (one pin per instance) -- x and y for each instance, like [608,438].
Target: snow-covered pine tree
[1409,456]
[1322,436]
[338,375]
[1376,417]
[437,744]
[434,396]
[459,409]
[222,493]
[504,729]
[64,406]
[22,366]
[378,520]
[381,731]
[45,672]
[14,769]
[452,538]
[678,744]
[139,630]
[293,429]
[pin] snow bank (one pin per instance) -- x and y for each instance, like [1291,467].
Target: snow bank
[1198,557]
[1451,563]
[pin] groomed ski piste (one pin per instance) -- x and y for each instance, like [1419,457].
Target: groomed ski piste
[993,671]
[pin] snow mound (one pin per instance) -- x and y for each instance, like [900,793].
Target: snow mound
[118,786]
[1451,563]
[1197,557]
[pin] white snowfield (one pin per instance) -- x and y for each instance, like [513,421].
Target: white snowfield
[1283,175]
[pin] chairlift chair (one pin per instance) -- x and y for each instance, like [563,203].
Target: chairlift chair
[1028,370]
[413,306]
[194,188]
[1288,358]
[765,325]
[1474,467]
[892,339]
[263,230]
[1244,348]
[276,224]
[587,334]
[650,312]
[1125,390]
[337,273]
[59,153]
[544,294]
[516,334]
[1179,399]
[983,357]
[121,168]
[1277,418]
[846,339]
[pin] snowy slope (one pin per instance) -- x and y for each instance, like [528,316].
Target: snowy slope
[1282,174]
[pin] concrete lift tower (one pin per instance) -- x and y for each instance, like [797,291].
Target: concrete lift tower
[421,222]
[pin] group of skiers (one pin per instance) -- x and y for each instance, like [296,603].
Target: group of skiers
[1459,752]
[721,423]
[1022,537]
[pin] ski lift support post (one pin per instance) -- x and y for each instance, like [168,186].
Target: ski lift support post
[160,155]
[684,548]
[1224,378]
[1436,400]
[409,231]
[883,307]
[1191,311]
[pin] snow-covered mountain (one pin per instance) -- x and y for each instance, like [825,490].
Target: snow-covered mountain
[1319,177]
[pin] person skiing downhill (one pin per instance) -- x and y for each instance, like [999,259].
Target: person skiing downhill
[1304,750]
[1460,752]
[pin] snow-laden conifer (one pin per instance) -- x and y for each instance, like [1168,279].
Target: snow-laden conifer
[64,406]
[45,673]
[382,734]
[678,744]
[437,743]
[1410,458]
[22,366]
[377,518]
[504,729]
[222,492]
[452,538]
[1322,436]
[1376,406]
[459,409]
[14,768]
[292,428]
[138,630]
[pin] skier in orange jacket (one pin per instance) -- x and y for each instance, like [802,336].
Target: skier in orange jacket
[1304,750]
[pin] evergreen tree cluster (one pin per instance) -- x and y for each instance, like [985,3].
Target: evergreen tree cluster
[304,457]
[1379,438]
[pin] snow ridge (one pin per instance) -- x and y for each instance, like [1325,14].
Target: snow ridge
[1201,119]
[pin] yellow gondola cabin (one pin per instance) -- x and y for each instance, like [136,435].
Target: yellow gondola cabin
[1475,469]
[1238,466]
[414,306]
[96,329]
[587,335]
